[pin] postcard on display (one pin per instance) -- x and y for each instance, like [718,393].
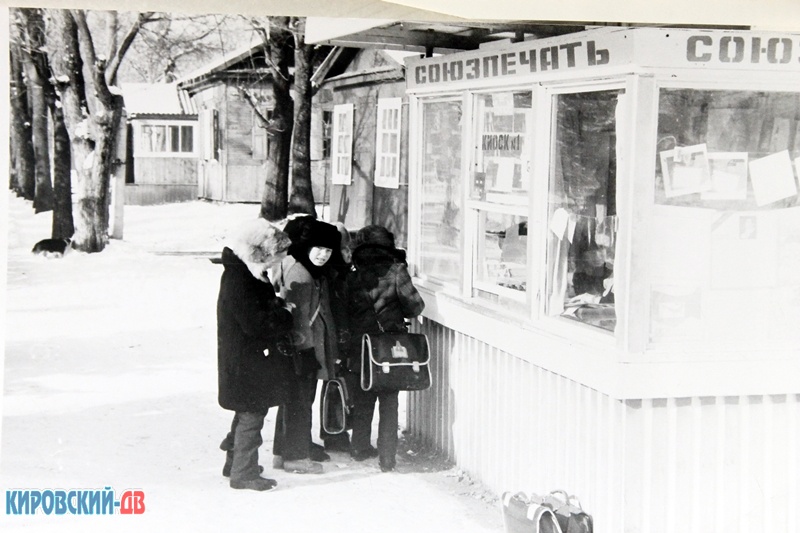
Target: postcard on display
[685,170]
[728,176]
[772,178]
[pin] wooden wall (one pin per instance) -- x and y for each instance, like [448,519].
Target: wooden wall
[361,203]
[670,465]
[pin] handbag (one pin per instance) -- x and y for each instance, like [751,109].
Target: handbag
[528,515]
[336,405]
[569,512]
[395,362]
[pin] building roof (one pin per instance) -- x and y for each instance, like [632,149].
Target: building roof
[222,64]
[155,99]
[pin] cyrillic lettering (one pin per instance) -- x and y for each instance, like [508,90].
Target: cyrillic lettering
[570,48]
[595,56]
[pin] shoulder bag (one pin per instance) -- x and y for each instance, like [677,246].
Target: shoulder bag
[394,361]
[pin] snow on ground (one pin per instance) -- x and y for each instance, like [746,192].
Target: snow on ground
[110,381]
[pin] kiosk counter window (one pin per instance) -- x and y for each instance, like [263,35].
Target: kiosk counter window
[499,197]
[441,212]
[725,246]
[636,194]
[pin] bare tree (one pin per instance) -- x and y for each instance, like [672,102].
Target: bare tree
[306,57]
[278,41]
[290,126]
[31,30]
[171,44]
[92,112]
[23,177]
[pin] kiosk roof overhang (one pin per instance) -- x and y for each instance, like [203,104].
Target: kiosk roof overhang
[428,37]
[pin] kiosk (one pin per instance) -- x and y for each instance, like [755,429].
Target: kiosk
[606,229]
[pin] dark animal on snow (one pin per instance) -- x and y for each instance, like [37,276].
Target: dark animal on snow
[51,247]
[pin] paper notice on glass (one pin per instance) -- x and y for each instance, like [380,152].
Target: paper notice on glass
[503,104]
[685,170]
[772,178]
[797,162]
[573,221]
[505,174]
[728,176]
[559,222]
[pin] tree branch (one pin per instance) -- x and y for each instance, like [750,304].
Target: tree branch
[127,41]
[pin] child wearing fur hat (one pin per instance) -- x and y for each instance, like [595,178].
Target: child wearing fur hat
[253,334]
[303,280]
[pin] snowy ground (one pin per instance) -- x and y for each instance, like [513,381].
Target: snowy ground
[110,380]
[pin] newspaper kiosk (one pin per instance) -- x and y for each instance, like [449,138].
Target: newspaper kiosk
[606,228]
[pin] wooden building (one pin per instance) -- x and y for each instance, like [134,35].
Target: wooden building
[360,130]
[232,148]
[605,226]
[161,164]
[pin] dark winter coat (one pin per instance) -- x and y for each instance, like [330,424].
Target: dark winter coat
[380,294]
[250,320]
[314,324]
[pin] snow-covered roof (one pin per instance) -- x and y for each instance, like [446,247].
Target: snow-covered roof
[222,63]
[155,99]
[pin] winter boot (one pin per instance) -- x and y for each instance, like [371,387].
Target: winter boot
[261,484]
[303,466]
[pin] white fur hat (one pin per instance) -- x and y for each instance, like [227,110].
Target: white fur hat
[256,240]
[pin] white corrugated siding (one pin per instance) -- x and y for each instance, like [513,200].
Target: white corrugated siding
[665,465]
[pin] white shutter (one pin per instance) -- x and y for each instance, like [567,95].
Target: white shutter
[387,143]
[342,150]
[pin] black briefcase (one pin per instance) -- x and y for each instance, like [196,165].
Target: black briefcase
[395,362]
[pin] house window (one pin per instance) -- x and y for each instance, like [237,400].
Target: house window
[387,143]
[441,211]
[327,127]
[498,196]
[582,216]
[342,155]
[260,135]
[164,139]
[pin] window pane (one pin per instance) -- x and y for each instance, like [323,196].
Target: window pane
[441,212]
[582,208]
[156,140]
[175,138]
[725,254]
[502,167]
[501,254]
[187,139]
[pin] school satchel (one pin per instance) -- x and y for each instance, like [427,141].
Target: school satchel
[528,515]
[395,362]
[336,405]
[569,512]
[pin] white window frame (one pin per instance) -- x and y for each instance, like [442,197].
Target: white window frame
[387,155]
[144,151]
[342,148]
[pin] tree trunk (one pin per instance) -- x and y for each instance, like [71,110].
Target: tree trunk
[38,85]
[302,198]
[21,140]
[278,45]
[63,225]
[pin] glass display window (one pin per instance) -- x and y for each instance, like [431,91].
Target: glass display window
[441,213]
[499,197]
[582,216]
[725,227]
